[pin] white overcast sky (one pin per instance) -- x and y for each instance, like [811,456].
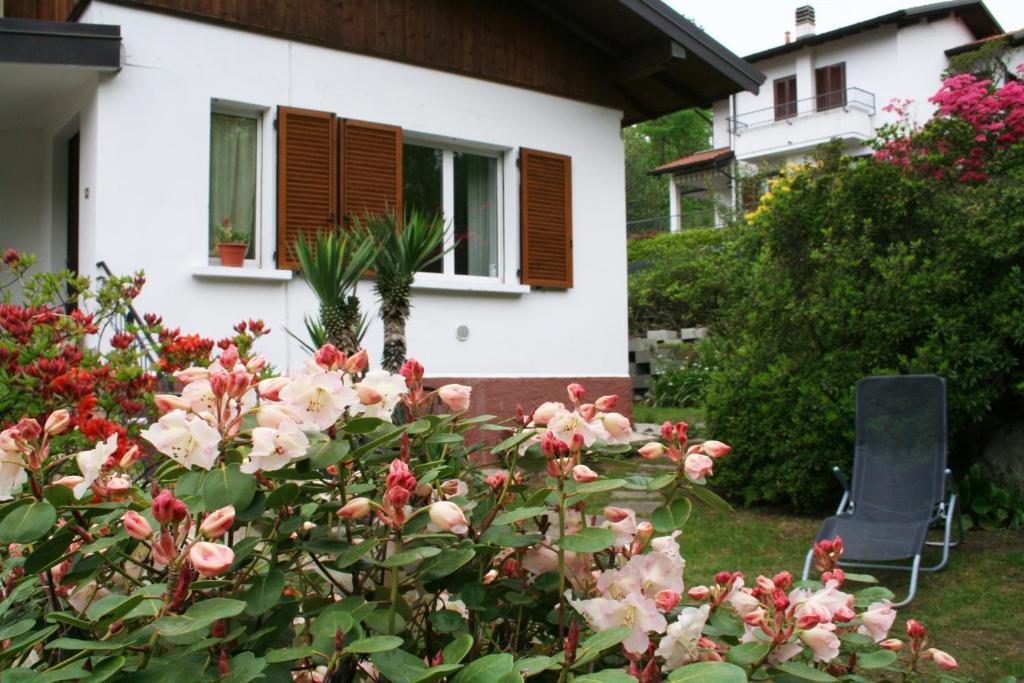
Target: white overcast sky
[748,26]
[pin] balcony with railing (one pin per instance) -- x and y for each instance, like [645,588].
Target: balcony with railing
[802,124]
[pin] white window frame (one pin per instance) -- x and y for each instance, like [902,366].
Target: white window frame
[507,242]
[262,239]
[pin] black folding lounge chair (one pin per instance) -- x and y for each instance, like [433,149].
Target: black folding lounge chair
[900,478]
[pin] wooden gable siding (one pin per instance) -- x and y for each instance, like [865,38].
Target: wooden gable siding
[508,41]
[49,10]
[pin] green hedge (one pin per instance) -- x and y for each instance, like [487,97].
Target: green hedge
[854,268]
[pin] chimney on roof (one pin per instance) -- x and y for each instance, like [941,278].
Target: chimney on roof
[789,39]
[804,21]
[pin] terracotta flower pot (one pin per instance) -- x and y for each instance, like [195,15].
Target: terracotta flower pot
[232,253]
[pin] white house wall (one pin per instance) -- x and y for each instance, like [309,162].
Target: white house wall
[150,193]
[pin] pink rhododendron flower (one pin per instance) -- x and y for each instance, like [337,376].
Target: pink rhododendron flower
[639,613]
[606,403]
[187,439]
[652,450]
[91,462]
[57,422]
[390,388]
[667,600]
[942,659]
[12,470]
[137,526]
[210,559]
[565,425]
[697,466]
[455,396]
[624,528]
[272,449]
[218,522]
[716,449]
[584,474]
[357,508]
[273,414]
[877,620]
[615,428]
[679,645]
[318,397]
[546,411]
[823,642]
[197,396]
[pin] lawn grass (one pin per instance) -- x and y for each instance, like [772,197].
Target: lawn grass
[969,608]
[692,416]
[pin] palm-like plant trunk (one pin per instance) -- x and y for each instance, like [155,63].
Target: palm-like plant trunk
[394,311]
[341,324]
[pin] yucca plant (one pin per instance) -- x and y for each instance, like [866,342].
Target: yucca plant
[404,249]
[333,263]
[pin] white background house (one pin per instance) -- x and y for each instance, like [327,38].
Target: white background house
[821,86]
[550,76]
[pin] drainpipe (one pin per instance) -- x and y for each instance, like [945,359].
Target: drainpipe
[735,161]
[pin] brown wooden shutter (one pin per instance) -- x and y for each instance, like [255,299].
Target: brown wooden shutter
[307,175]
[545,218]
[371,169]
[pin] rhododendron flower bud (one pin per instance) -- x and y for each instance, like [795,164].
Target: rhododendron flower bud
[412,371]
[329,357]
[211,559]
[809,620]
[163,507]
[271,387]
[668,430]
[448,516]
[844,614]
[576,392]
[837,575]
[424,489]
[357,508]
[219,383]
[615,514]
[229,358]
[943,660]
[699,593]
[455,396]
[783,580]
[681,429]
[716,449]
[165,403]
[572,641]
[454,487]
[765,584]
[576,442]
[607,403]
[129,457]
[490,576]
[780,600]
[164,549]
[400,475]
[118,486]
[893,644]
[28,428]
[551,445]
[193,374]
[915,630]
[651,451]
[70,481]
[238,383]
[368,395]
[497,480]
[644,531]
[137,526]
[57,422]
[256,363]
[755,617]
[588,411]
[722,578]
[397,497]
[584,474]
[666,600]
[357,362]
[559,467]
[218,522]
[697,467]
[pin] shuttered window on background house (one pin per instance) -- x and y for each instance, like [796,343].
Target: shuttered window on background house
[546,218]
[785,97]
[307,184]
[830,86]
[371,169]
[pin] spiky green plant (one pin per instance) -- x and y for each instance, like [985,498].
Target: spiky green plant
[333,263]
[403,250]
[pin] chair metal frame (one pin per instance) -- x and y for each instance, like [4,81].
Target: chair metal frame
[945,512]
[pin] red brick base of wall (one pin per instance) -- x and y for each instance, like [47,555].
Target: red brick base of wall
[499,396]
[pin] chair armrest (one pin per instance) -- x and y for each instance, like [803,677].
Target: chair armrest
[842,478]
[951,483]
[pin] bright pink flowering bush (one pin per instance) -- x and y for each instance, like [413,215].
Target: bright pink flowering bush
[334,525]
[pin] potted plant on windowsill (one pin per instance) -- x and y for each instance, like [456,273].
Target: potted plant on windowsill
[232,245]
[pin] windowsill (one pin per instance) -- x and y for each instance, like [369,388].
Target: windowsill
[244,273]
[469,285]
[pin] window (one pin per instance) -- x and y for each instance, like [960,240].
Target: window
[830,86]
[785,98]
[463,186]
[234,144]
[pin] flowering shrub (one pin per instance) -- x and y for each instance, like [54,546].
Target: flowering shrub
[334,524]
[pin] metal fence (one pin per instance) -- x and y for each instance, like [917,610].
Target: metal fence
[847,100]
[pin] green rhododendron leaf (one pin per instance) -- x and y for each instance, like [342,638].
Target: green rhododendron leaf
[26,523]
[362,425]
[588,540]
[78,644]
[285,494]
[598,486]
[449,561]
[606,676]
[49,552]
[867,596]
[860,578]
[65,618]
[445,438]
[668,519]
[876,659]
[199,615]
[113,606]
[399,666]
[519,514]
[591,648]
[68,673]
[225,486]
[710,499]
[446,620]
[264,593]
[374,644]
[352,554]
[503,536]
[746,654]
[16,629]
[289,654]
[329,453]
[528,666]
[331,619]
[59,496]
[409,556]
[455,651]
[856,639]
[805,672]
[436,673]
[660,482]
[489,669]
[244,667]
[709,672]
[105,669]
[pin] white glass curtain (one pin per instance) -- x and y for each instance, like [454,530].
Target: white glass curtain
[233,176]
